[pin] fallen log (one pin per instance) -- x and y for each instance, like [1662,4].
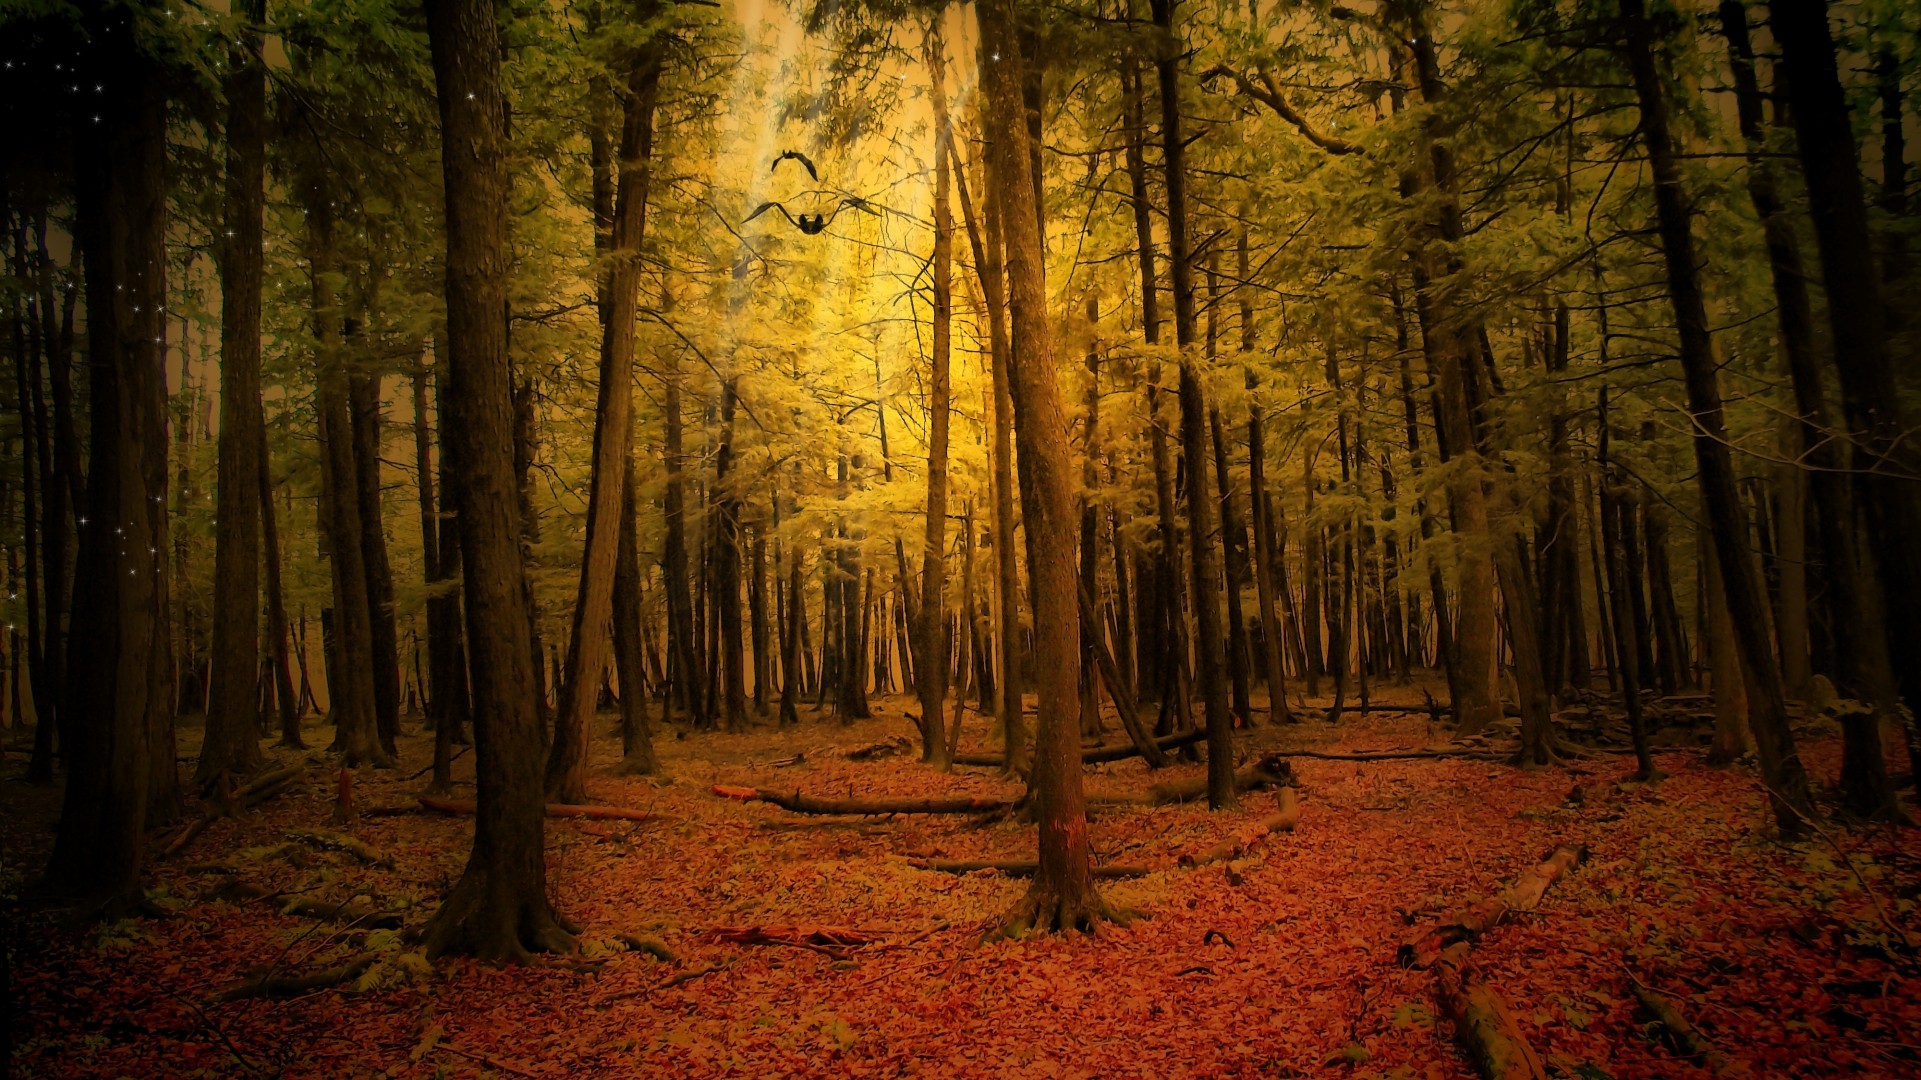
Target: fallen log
[828,941]
[1483,1026]
[1118,690]
[1017,868]
[572,810]
[807,804]
[259,789]
[359,849]
[1271,771]
[1426,946]
[349,912]
[269,985]
[1684,1037]
[1286,816]
[1395,755]
[1094,755]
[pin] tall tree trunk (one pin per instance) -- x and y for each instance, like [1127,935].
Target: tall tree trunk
[1090,531]
[1062,894]
[1233,533]
[1724,662]
[985,238]
[289,702]
[1871,404]
[1205,570]
[1162,627]
[636,729]
[1265,554]
[363,397]
[118,686]
[684,661]
[1781,767]
[499,909]
[931,647]
[727,598]
[232,745]
[351,663]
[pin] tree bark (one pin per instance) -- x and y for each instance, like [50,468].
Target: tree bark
[931,645]
[613,437]
[118,686]
[1063,893]
[232,745]
[1205,570]
[1781,767]
[499,908]
[363,406]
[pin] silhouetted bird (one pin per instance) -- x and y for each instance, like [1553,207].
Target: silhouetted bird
[811,224]
[797,156]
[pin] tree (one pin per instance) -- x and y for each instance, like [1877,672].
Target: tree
[1063,894]
[613,436]
[119,685]
[932,632]
[498,909]
[232,745]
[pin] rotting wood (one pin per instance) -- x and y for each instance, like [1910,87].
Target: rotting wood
[807,804]
[1286,816]
[1018,868]
[572,810]
[262,787]
[359,849]
[1098,754]
[1683,1036]
[1483,1025]
[271,985]
[1425,947]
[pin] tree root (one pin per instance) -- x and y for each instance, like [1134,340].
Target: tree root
[507,928]
[1045,910]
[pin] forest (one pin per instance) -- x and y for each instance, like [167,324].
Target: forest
[1001,538]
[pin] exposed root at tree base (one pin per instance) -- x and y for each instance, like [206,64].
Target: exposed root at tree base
[501,929]
[1044,910]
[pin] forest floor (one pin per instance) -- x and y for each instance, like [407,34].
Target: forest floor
[1791,960]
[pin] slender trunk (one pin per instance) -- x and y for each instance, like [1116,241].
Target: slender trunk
[363,407]
[636,729]
[726,598]
[931,647]
[1205,568]
[566,771]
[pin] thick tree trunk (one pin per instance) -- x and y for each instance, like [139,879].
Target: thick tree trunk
[1781,767]
[232,745]
[499,909]
[1205,568]
[118,686]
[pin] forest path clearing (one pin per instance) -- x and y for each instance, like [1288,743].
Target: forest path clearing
[1281,964]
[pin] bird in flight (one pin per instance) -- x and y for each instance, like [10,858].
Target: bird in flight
[796,155]
[812,224]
